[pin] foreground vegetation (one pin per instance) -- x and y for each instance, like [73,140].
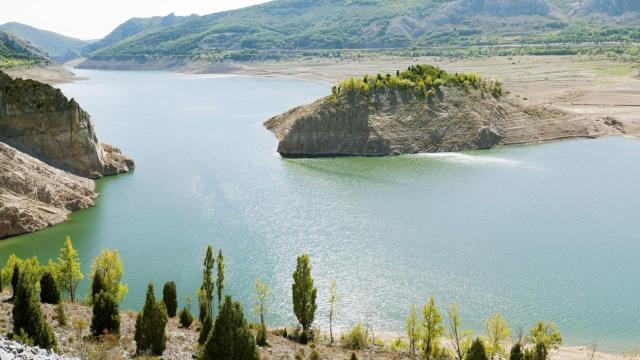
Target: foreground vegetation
[230,336]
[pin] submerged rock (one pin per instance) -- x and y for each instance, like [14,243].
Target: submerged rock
[39,120]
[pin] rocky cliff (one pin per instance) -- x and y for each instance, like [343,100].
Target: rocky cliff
[34,195]
[39,120]
[434,112]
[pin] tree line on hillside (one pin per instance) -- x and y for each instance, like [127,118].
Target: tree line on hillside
[224,331]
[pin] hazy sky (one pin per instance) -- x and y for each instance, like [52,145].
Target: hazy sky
[90,19]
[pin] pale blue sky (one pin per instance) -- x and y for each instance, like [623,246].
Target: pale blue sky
[91,19]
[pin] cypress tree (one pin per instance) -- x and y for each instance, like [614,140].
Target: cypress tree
[231,337]
[97,285]
[170,298]
[150,334]
[304,295]
[477,351]
[516,352]
[14,280]
[207,281]
[27,315]
[220,277]
[106,314]
[49,292]
[207,325]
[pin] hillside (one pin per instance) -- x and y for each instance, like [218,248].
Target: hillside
[133,27]
[16,51]
[336,24]
[608,7]
[59,47]
[423,109]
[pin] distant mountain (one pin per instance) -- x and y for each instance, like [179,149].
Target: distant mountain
[17,51]
[609,7]
[133,27]
[335,24]
[59,47]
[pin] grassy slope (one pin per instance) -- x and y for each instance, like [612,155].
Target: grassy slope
[15,51]
[55,45]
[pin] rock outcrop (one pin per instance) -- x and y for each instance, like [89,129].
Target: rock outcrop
[39,120]
[34,195]
[395,120]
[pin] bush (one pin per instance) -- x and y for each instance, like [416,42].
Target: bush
[106,315]
[28,320]
[476,351]
[60,315]
[170,298]
[186,319]
[150,334]
[49,292]
[315,355]
[207,325]
[354,356]
[516,352]
[356,339]
[230,338]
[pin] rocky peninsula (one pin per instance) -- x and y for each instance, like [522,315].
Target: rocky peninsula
[424,109]
[49,152]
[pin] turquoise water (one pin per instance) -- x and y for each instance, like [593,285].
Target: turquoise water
[538,232]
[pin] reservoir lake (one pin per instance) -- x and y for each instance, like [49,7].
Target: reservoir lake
[546,232]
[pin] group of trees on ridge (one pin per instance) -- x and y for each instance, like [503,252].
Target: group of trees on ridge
[425,80]
[230,336]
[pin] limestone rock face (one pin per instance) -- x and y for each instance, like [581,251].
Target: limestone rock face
[34,195]
[399,122]
[39,120]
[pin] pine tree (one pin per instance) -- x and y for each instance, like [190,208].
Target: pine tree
[106,314]
[150,334]
[49,292]
[260,309]
[220,277]
[69,269]
[477,351]
[304,295]
[231,337]
[432,329]
[205,330]
[27,316]
[170,298]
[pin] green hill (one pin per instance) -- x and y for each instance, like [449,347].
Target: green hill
[282,26]
[59,47]
[133,27]
[15,51]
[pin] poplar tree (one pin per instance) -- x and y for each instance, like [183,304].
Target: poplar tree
[68,269]
[207,281]
[497,334]
[260,309]
[456,335]
[220,277]
[413,329]
[432,329]
[109,265]
[304,295]
[334,298]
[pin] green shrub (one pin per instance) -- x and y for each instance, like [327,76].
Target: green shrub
[230,338]
[205,330]
[354,356]
[356,339]
[185,314]
[150,334]
[49,292]
[516,352]
[315,355]
[28,320]
[170,298]
[106,314]
[60,315]
[477,351]
[14,280]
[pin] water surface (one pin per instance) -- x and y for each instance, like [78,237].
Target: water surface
[539,232]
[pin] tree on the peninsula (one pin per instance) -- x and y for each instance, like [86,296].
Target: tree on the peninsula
[457,335]
[220,277]
[413,329]
[207,280]
[49,292]
[68,269]
[109,265]
[334,298]
[304,295]
[432,329]
[477,351]
[106,314]
[150,334]
[231,337]
[260,309]
[497,334]
[28,320]
[205,329]
[170,298]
